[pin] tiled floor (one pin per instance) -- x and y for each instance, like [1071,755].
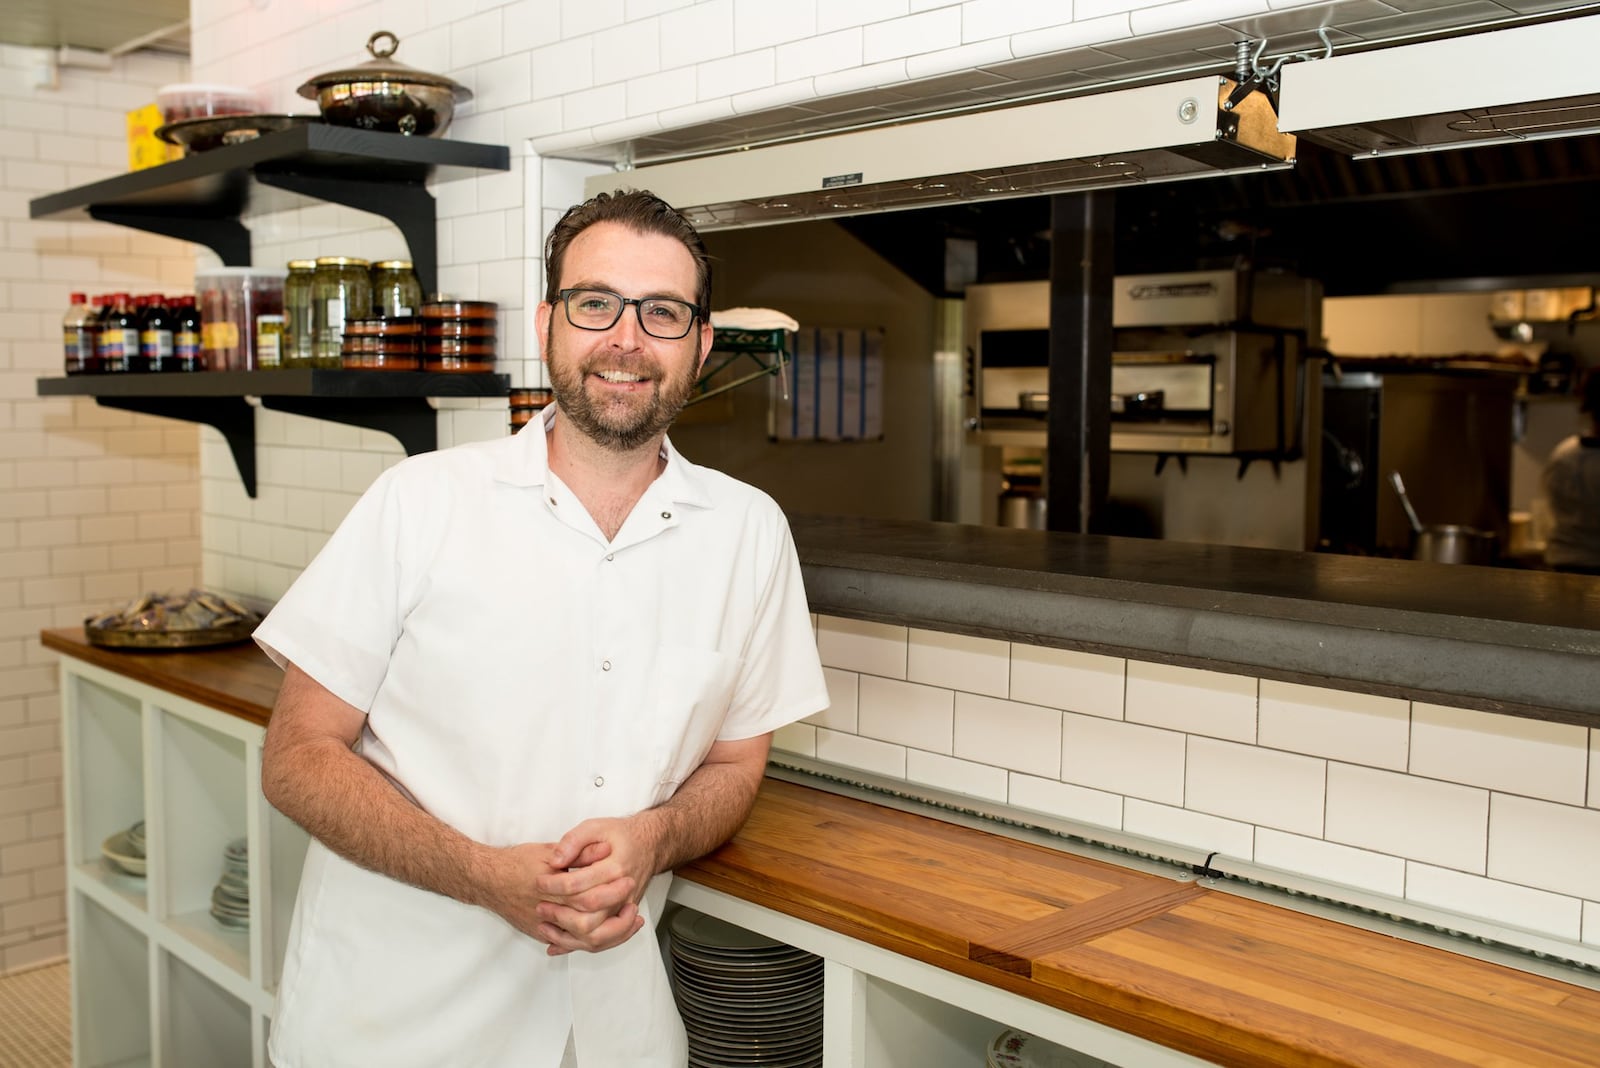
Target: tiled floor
[36,1018]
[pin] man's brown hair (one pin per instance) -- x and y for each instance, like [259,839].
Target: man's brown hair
[639,210]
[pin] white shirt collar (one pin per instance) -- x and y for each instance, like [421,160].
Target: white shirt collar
[526,462]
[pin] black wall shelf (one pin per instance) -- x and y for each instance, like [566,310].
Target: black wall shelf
[394,402]
[202,198]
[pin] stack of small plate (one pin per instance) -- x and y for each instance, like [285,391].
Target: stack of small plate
[745,999]
[230,900]
[1018,1049]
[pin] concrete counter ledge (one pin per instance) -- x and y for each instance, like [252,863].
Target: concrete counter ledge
[1500,640]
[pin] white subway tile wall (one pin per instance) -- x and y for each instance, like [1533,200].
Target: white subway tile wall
[1325,792]
[1420,819]
[1356,728]
[1063,678]
[1521,756]
[1265,787]
[1205,702]
[1550,846]
[1503,902]
[1331,862]
[96,505]
[958,662]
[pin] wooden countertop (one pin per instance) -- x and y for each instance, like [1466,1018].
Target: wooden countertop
[1221,977]
[238,679]
[1218,976]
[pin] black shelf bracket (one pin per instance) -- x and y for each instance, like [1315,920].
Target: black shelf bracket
[228,238]
[412,421]
[233,418]
[408,205]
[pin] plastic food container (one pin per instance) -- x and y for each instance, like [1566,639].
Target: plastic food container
[379,344]
[232,301]
[459,336]
[196,101]
[459,309]
[524,405]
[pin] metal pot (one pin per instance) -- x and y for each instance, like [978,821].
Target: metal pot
[1451,544]
[384,94]
[1024,511]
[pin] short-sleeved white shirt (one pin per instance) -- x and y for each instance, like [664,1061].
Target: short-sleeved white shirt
[1570,485]
[521,674]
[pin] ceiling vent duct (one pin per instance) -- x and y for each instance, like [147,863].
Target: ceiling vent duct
[1156,133]
[1493,88]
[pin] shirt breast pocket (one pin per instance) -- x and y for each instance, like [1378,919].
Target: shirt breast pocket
[693,689]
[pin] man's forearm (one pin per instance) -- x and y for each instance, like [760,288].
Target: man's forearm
[707,810]
[350,807]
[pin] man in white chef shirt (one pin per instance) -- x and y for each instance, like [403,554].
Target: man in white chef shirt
[523,679]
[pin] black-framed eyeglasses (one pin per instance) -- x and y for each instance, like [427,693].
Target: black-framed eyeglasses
[599,309]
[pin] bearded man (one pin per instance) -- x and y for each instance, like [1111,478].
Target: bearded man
[523,681]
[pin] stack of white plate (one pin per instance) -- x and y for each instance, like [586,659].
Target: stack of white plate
[230,899]
[1018,1049]
[746,1000]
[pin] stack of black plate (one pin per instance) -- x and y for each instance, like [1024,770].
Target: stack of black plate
[746,1000]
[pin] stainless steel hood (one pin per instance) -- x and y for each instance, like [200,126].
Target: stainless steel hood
[1156,133]
[1499,87]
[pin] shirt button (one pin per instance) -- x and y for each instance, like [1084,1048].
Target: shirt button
[611,556]
[599,780]
[666,515]
[605,665]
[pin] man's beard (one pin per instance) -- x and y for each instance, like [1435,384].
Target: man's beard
[622,426]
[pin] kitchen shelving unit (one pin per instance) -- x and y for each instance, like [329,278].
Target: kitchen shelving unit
[204,197]
[156,980]
[767,349]
[394,402]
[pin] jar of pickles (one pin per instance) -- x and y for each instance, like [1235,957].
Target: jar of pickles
[299,332]
[341,289]
[396,293]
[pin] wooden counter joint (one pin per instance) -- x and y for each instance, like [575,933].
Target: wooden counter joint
[1016,949]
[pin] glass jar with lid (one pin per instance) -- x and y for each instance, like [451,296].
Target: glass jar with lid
[299,332]
[396,293]
[341,289]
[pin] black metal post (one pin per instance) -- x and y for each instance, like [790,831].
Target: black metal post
[1078,461]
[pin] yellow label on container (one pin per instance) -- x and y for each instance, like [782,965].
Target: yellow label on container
[145,149]
[223,335]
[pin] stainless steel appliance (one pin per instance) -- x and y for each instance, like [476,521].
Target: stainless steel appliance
[1208,362]
[1448,434]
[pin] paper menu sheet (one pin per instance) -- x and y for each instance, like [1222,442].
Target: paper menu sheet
[835,387]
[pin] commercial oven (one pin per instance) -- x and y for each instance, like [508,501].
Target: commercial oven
[1208,362]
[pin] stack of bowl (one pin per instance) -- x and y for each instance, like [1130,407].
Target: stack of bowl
[458,335]
[124,850]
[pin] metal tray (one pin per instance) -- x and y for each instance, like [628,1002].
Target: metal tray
[114,638]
